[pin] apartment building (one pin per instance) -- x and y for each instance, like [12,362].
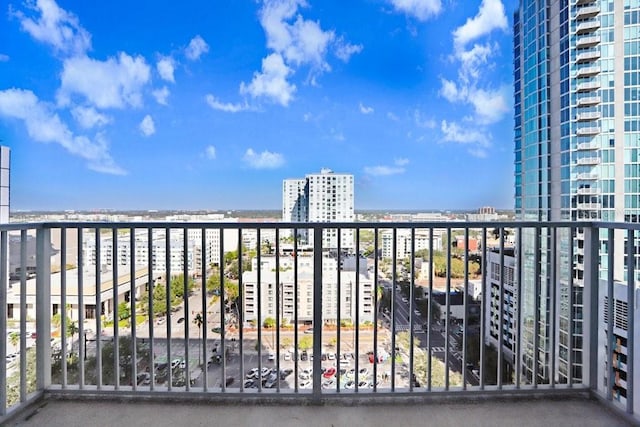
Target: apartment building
[421,239]
[322,197]
[297,291]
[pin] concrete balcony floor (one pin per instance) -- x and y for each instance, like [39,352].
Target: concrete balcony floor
[564,412]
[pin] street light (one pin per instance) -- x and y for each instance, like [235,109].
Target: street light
[198,320]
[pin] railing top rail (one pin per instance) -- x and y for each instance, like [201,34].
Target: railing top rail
[17,226]
[311,225]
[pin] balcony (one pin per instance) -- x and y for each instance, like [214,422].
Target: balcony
[588,56]
[587,87]
[137,334]
[587,146]
[588,131]
[591,161]
[587,41]
[588,191]
[587,27]
[587,12]
[587,176]
[588,101]
[592,115]
[588,71]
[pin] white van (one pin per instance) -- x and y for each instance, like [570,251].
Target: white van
[344,362]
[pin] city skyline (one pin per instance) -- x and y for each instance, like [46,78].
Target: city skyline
[212,107]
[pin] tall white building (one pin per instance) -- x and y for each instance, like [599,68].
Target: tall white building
[322,197]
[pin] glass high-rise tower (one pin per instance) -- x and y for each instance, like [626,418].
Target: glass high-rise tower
[577,138]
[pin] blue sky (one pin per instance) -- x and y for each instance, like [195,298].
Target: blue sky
[210,105]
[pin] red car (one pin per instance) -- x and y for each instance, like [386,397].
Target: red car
[329,373]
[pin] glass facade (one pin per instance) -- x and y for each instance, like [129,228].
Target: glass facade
[577,124]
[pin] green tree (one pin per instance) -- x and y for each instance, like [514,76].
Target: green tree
[14,338]
[124,310]
[177,286]
[305,343]
[269,322]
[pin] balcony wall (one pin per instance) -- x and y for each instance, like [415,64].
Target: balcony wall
[310,314]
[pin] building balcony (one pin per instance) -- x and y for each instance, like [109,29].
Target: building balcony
[592,115]
[587,41]
[588,87]
[588,131]
[587,146]
[177,341]
[588,71]
[586,12]
[587,27]
[588,56]
[588,101]
[587,176]
[585,2]
[590,161]
[588,191]
[589,206]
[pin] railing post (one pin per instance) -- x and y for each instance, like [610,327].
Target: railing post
[43,308]
[317,312]
[4,282]
[590,310]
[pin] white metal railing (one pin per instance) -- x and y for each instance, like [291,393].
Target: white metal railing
[317,314]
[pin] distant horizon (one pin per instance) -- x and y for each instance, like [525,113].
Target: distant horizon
[159,211]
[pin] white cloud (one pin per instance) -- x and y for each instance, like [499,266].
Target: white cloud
[44,125]
[56,27]
[365,110]
[306,117]
[337,135]
[161,95]
[344,50]
[210,152]
[383,170]
[147,126]
[422,122]
[271,82]
[294,42]
[491,105]
[451,92]
[420,9]
[474,60]
[396,169]
[196,48]
[392,116]
[88,117]
[301,43]
[228,107]
[264,160]
[490,16]
[114,83]
[166,66]
[4,58]
[454,133]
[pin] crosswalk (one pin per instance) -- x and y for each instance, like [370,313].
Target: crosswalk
[405,327]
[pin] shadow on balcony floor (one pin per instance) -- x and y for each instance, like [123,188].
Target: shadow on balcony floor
[538,412]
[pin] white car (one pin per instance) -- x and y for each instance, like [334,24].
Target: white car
[271,356]
[287,356]
[404,299]
[331,356]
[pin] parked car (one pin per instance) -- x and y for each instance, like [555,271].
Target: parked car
[330,372]
[284,373]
